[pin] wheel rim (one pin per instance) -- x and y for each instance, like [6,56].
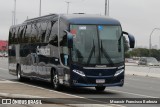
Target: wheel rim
[18,74]
[55,81]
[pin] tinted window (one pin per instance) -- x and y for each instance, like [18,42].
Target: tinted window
[48,31]
[43,31]
[24,35]
[53,39]
[34,33]
[28,34]
[10,36]
[21,34]
[13,35]
[38,29]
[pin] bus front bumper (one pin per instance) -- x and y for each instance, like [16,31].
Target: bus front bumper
[120,84]
[91,81]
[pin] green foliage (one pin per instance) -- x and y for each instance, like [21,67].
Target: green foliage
[155,53]
[142,52]
[127,55]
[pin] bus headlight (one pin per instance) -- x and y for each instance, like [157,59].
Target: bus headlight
[119,72]
[79,73]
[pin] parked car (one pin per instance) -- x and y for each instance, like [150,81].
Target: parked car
[6,55]
[149,61]
[1,55]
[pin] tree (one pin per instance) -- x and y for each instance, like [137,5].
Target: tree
[143,52]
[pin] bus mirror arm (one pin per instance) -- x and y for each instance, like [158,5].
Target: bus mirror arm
[131,39]
[69,39]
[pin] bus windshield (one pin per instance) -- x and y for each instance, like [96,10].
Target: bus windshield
[97,44]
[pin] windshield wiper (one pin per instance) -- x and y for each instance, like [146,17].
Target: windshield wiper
[106,55]
[119,43]
[91,53]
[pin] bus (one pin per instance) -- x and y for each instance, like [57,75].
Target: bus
[75,50]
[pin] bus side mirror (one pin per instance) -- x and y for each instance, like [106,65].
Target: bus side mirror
[131,39]
[69,39]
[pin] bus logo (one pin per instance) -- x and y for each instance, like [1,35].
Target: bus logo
[6,101]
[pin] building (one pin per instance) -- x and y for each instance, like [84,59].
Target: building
[3,45]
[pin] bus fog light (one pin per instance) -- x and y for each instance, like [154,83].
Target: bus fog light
[122,80]
[79,73]
[119,72]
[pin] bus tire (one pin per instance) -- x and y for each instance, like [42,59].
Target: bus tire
[100,88]
[19,76]
[55,80]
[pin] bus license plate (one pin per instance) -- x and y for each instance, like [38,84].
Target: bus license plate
[100,81]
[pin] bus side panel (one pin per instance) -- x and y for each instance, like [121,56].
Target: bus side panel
[12,60]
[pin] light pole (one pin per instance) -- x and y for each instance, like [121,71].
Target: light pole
[12,18]
[40,8]
[159,42]
[68,6]
[106,7]
[14,21]
[150,44]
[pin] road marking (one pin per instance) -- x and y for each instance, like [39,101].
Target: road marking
[3,69]
[6,81]
[19,95]
[133,93]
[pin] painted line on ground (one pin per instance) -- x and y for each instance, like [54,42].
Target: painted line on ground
[19,95]
[141,95]
[4,69]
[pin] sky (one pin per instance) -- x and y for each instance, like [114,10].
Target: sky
[138,17]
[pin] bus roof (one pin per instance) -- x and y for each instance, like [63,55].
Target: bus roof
[76,19]
[89,19]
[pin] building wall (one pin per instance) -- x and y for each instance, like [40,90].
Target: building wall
[3,45]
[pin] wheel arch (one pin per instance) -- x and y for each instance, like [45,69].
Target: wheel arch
[53,70]
[18,65]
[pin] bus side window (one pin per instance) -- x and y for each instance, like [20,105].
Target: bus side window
[21,33]
[10,36]
[53,39]
[43,31]
[13,35]
[38,29]
[27,34]
[17,35]
[34,33]
[64,50]
[24,33]
[48,30]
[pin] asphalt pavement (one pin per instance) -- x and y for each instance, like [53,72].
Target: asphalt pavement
[141,70]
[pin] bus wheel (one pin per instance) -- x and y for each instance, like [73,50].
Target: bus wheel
[55,81]
[100,88]
[19,77]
